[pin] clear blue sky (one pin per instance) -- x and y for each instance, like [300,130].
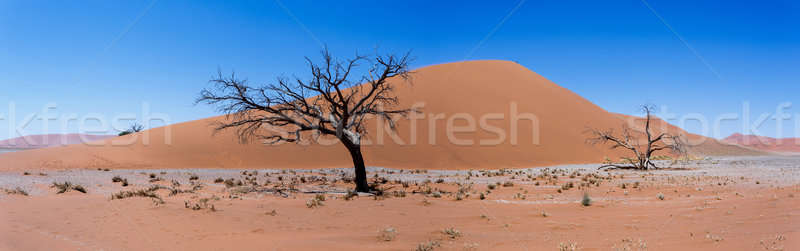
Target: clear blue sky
[108,57]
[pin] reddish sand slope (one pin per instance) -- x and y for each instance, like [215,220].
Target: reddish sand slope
[765,143]
[48,140]
[484,94]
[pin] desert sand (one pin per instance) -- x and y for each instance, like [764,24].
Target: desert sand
[726,203]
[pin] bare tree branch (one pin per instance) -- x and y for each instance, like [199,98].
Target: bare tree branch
[642,159]
[329,103]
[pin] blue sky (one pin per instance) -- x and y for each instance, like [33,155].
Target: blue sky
[105,58]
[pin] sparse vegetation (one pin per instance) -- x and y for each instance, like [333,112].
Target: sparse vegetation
[586,201]
[428,246]
[16,191]
[146,193]
[317,201]
[568,246]
[350,195]
[201,204]
[66,186]
[451,233]
[387,234]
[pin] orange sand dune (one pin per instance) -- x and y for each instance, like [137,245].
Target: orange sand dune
[49,140]
[491,90]
[786,145]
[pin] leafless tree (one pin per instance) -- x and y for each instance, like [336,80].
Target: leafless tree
[642,152]
[331,102]
[135,127]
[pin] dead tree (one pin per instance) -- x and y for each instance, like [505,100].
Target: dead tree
[642,152]
[136,127]
[329,103]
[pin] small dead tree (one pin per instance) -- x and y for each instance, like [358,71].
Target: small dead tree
[136,127]
[329,103]
[642,152]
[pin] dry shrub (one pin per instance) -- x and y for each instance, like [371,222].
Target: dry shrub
[66,186]
[387,234]
[428,246]
[452,233]
[146,193]
[568,246]
[16,191]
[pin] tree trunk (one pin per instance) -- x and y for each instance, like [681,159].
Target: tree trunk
[358,164]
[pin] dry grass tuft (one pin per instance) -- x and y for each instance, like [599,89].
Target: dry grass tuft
[146,193]
[428,246]
[202,204]
[66,186]
[452,233]
[16,191]
[568,246]
[387,234]
[317,201]
[628,244]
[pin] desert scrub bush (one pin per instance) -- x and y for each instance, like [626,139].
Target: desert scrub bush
[124,182]
[586,201]
[568,246]
[233,183]
[628,244]
[146,193]
[482,196]
[116,179]
[15,191]
[194,177]
[387,234]
[428,246]
[399,194]
[350,195]
[317,201]
[174,191]
[460,196]
[491,186]
[219,180]
[660,196]
[66,186]
[451,233]
[201,204]
[508,184]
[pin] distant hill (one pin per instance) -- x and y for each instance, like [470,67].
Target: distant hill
[48,140]
[765,143]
